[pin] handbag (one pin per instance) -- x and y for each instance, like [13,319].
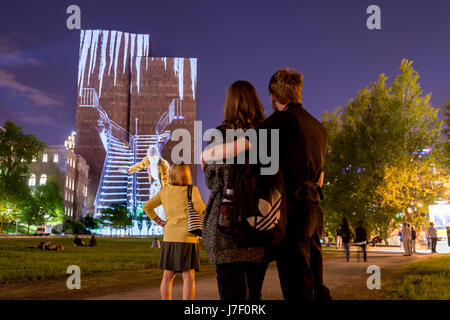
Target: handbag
[194,218]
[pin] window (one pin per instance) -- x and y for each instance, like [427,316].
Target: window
[34,159]
[65,195]
[45,157]
[55,158]
[73,185]
[32,180]
[67,182]
[43,179]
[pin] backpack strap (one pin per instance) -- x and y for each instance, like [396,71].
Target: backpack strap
[190,192]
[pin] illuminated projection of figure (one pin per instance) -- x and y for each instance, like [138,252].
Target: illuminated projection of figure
[158,173]
[157,169]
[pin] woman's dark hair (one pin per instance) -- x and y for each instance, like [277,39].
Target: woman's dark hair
[243,109]
[346,224]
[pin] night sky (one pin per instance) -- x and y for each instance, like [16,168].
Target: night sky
[327,41]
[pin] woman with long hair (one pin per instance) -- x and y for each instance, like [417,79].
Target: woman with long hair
[240,270]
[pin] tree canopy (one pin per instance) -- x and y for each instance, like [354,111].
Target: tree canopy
[375,167]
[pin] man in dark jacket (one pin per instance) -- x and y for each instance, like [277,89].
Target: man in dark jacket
[303,142]
[448,235]
[361,239]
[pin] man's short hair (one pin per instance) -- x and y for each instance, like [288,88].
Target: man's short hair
[286,86]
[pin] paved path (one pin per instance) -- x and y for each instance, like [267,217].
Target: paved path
[346,280]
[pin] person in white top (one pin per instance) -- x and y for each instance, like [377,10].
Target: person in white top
[406,239]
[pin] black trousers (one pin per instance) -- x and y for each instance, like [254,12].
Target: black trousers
[299,257]
[364,250]
[241,280]
[433,244]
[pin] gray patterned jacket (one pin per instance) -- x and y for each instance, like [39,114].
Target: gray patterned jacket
[220,247]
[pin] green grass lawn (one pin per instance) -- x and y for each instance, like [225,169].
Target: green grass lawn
[21,229]
[424,280]
[19,263]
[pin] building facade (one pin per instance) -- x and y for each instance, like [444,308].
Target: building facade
[129,103]
[69,171]
[76,184]
[50,163]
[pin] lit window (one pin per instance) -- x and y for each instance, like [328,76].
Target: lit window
[32,180]
[45,157]
[43,179]
[55,158]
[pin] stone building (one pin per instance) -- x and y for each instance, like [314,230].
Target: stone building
[50,163]
[76,184]
[127,102]
[69,171]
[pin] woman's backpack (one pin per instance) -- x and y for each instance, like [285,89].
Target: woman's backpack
[259,207]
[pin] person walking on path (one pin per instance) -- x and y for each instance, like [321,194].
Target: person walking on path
[326,238]
[448,235]
[413,240]
[406,239]
[347,237]
[179,251]
[339,237]
[432,235]
[361,239]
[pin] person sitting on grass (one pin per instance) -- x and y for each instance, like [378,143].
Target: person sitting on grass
[156,243]
[92,241]
[78,242]
[41,245]
[179,251]
[48,246]
[55,247]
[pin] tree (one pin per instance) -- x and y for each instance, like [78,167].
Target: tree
[372,155]
[140,222]
[446,138]
[116,217]
[74,227]
[44,205]
[90,222]
[16,153]
[148,223]
[8,212]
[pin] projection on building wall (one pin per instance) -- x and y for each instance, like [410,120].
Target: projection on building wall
[127,106]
